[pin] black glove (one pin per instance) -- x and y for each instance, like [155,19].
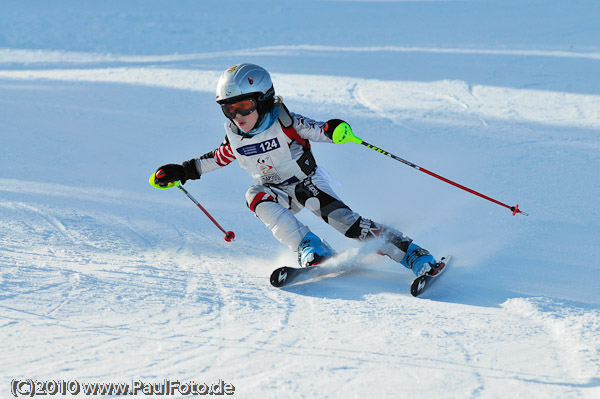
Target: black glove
[330,126]
[174,172]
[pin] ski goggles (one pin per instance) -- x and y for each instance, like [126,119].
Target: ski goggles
[242,107]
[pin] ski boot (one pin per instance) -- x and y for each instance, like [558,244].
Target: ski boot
[420,261]
[313,251]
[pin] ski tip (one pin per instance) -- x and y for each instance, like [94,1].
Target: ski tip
[418,285]
[279,276]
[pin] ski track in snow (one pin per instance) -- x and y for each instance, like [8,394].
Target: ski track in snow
[454,102]
[110,281]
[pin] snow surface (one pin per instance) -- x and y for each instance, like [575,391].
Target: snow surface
[104,278]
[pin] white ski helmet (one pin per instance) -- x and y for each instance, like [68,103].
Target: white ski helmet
[246,80]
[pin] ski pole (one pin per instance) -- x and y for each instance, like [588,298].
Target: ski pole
[229,235]
[343,134]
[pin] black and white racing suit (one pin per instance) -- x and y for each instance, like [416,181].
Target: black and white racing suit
[287,179]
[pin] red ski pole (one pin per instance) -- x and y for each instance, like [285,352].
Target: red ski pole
[343,134]
[229,235]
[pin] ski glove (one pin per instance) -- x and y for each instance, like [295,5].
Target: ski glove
[173,172]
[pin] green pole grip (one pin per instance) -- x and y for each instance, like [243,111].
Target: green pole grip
[343,134]
[170,185]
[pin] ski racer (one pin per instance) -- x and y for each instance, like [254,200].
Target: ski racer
[274,146]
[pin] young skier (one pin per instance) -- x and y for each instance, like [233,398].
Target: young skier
[273,145]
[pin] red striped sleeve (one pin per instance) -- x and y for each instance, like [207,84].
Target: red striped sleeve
[224,155]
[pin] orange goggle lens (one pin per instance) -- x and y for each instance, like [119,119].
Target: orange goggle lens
[244,107]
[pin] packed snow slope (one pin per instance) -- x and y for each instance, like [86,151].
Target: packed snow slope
[105,279]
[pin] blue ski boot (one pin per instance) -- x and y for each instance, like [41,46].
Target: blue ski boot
[419,260]
[313,251]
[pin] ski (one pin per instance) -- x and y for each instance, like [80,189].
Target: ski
[420,283]
[286,275]
[338,264]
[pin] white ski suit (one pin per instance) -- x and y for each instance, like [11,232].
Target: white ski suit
[287,179]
